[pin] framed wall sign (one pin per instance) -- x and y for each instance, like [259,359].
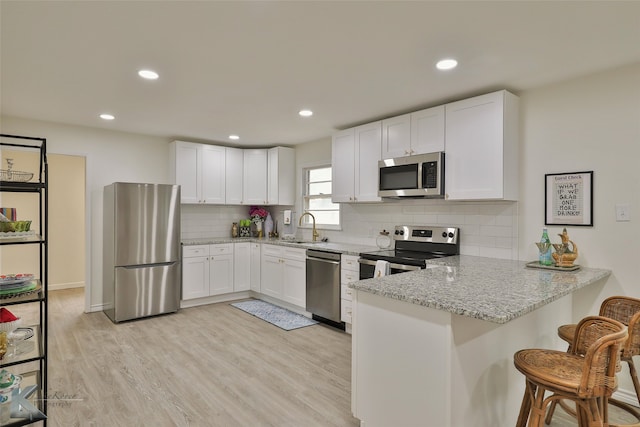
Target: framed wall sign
[569,198]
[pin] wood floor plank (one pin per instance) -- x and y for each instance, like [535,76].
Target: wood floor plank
[212,365]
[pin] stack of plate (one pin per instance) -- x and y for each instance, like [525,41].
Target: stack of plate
[12,285]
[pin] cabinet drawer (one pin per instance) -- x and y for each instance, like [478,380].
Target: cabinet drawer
[350,262]
[221,249]
[195,251]
[345,311]
[273,250]
[348,276]
[346,292]
[295,254]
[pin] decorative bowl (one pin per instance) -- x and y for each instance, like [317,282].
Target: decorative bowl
[15,226]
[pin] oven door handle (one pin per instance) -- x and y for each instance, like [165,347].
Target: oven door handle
[391,265]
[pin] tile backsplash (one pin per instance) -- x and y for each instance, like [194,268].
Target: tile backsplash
[486,228]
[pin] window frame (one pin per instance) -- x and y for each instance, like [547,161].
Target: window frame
[305,198]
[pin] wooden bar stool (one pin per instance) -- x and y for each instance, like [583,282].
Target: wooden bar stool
[625,310]
[585,375]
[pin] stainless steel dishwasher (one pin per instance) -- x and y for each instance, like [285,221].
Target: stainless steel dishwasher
[323,286]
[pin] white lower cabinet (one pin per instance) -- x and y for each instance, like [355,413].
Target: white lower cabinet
[283,274]
[241,266]
[207,270]
[349,272]
[195,272]
[255,266]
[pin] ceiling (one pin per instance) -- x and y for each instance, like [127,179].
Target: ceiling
[247,68]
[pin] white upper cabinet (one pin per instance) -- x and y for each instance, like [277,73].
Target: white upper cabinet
[415,133]
[482,148]
[234,171]
[185,167]
[427,130]
[200,171]
[355,155]
[213,174]
[342,166]
[396,136]
[367,147]
[254,185]
[281,174]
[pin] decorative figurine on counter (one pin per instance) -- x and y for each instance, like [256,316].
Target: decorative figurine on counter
[565,256]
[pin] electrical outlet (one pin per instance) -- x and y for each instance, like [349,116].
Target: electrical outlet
[623,212]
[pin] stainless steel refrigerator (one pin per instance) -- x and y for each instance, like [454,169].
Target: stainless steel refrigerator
[141,262]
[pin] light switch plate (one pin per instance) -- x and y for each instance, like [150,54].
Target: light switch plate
[623,212]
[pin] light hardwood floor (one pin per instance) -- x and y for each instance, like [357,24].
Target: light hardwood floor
[212,365]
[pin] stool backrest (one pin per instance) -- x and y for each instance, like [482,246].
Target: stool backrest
[625,310]
[599,340]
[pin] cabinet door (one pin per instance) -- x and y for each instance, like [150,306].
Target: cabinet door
[255,267]
[342,166]
[396,136]
[281,173]
[241,266]
[187,169]
[254,185]
[221,274]
[271,276]
[474,140]
[234,161]
[427,130]
[368,139]
[294,283]
[213,174]
[195,277]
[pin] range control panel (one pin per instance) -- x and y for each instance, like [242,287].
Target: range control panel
[421,233]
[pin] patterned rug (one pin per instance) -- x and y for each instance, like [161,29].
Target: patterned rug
[275,315]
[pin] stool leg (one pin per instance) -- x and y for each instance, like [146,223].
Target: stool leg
[536,417]
[634,376]
[552,408]
[525,408]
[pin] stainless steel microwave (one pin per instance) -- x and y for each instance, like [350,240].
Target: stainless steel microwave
[419,176]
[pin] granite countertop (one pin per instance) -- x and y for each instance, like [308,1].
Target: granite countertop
[490,289]
[342,248]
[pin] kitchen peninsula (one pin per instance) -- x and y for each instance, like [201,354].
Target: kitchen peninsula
[435,346]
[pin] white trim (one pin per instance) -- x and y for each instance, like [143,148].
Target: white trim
[70,285]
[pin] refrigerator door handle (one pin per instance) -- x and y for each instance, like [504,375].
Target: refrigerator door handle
[158,264]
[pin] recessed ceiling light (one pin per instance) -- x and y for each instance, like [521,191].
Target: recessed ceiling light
[148,74]
[446,64]
[306,113]
[234,137]
[107,116]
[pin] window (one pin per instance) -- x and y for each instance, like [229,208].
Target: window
[317,198]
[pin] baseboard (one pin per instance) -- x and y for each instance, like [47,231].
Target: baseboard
[71,285]
[213,299]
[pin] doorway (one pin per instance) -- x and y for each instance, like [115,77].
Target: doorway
[66,218]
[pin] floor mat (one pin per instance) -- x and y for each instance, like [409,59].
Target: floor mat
[275,315]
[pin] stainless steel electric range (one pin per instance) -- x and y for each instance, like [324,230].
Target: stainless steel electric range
[413,246]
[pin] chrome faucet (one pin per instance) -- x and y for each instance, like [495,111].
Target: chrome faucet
[315,232]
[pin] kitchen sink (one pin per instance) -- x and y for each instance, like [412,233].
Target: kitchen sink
[303,242]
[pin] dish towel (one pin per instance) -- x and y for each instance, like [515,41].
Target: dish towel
[382,268]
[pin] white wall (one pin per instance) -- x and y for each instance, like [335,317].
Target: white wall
[111,156]
[591,123]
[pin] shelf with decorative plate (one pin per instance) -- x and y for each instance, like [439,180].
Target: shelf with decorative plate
[26,354]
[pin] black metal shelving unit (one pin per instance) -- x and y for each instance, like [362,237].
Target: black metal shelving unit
[30,403]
